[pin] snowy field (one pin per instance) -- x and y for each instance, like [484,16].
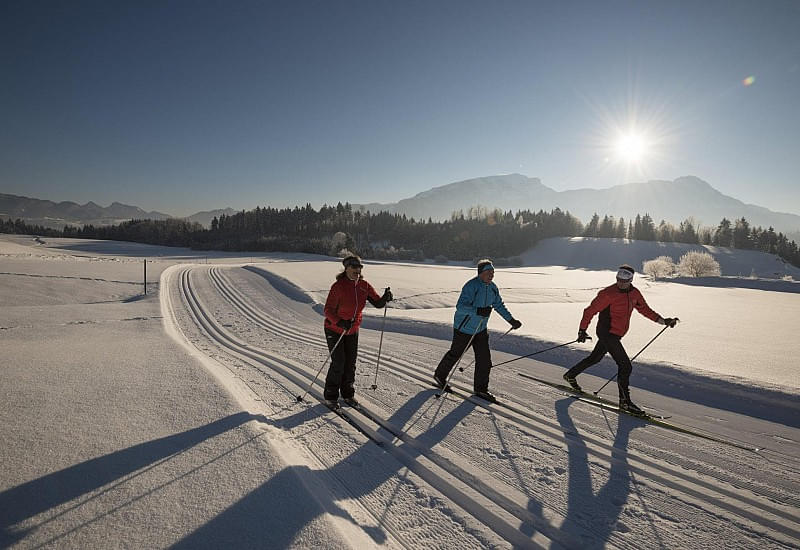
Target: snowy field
[171,419]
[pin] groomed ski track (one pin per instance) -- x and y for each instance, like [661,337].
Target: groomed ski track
[536,470]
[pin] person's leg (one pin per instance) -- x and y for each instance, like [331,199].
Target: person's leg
[457,347]
[336,368]
[350,344]
[592,359]
[483,361]
[624,367]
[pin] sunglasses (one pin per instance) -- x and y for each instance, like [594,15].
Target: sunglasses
[354,265]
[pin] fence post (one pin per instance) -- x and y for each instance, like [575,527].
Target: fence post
[145,276]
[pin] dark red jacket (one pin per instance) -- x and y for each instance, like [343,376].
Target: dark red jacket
[615,307]
[346,300]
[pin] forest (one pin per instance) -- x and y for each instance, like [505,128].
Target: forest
[468,235]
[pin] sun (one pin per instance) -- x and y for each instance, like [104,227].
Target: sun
[631,148]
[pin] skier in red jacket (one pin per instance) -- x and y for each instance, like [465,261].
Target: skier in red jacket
[346,299]
[615,305]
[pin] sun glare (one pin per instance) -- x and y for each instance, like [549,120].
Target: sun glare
[631,148]
[632,140]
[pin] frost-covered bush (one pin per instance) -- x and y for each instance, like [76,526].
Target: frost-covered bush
[698,264]
[658,268]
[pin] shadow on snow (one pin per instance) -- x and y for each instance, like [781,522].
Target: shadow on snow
[52,490]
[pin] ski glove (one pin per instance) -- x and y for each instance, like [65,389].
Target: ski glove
[515,324]
[582,336]
[671,321]
[484,311]
[387,296]
[346,324]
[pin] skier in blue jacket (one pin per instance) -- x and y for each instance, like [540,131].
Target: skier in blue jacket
[478,297]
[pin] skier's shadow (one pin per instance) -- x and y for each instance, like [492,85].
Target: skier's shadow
[37,496]
[271,515]
[589,512]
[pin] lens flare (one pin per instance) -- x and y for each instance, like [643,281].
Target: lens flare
[749,81]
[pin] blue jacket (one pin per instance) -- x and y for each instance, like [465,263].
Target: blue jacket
[477,294]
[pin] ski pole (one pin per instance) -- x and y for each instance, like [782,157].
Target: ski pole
[330,356]
[449,376]
[461,369]
[380,345]
[536,353]
[632,358]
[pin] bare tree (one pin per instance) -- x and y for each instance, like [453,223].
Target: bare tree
[698,264]
[658,268]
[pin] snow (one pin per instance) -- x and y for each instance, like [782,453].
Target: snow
[171,419]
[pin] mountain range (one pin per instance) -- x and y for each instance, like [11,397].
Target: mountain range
[673,201]
[57,214]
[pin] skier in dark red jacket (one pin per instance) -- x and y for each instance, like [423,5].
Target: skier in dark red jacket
[615,305]
[346,299]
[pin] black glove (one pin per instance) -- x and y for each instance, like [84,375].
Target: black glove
[484,311]
[671,321]
[387,295]
[582,336]
[515,324]
[344,323]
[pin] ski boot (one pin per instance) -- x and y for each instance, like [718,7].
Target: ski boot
[351,402]
[625,404]
[441,383]
[486,395]
[573,382]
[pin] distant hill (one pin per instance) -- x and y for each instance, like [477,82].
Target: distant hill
[508,192]
[673,201]
[204,218]
[56,215]
[599,254]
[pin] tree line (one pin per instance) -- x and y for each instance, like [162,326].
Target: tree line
[731,234]
[465,236]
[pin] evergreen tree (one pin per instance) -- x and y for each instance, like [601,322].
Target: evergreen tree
[592,229]
[724,234]
[620,232]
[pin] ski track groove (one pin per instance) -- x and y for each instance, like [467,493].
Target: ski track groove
[748,509]
[694,489]
[466,497]
[265,322]
[447,464]
[204,321]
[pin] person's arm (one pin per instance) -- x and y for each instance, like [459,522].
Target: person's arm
[332,305]
[500,307]
[641,306]
[379,301]
[600,302]
[466,301]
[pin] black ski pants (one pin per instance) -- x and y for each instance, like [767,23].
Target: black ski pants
[342,371]
[483,358]
[611,344]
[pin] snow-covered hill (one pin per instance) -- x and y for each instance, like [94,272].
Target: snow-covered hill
[602,254]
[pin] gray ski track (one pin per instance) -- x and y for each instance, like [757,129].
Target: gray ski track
[538,470]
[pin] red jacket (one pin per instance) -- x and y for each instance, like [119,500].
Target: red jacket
[615,307]
[346,300]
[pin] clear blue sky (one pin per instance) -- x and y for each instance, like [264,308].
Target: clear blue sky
[182,106]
